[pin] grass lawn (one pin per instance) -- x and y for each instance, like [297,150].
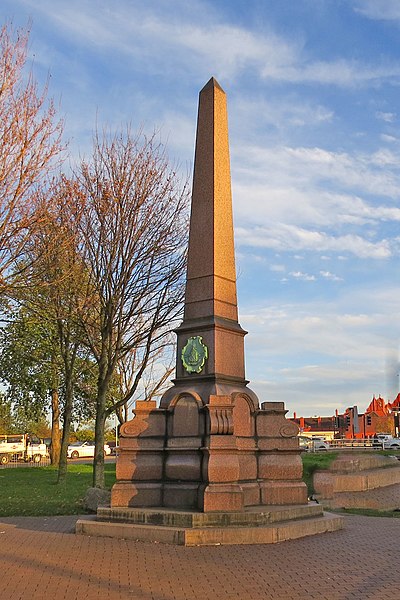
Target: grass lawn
[33,491]
[312,461]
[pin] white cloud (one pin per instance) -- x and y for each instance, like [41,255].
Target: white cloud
[387,10]
[321,389]
[173,37]
[311,206]
[298,166]
[311,199]
[277,268]
[331,276]
[360,171]
[384,157]
[388,117]
[318,356]
[344,73]
[282,237]
[284,114]
[326,328]
[302,276]
[388,138]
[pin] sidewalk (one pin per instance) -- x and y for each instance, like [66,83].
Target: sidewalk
[41,558]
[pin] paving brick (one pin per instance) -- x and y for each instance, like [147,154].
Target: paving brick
[43,558]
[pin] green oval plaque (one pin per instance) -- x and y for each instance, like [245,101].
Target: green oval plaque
[194,354]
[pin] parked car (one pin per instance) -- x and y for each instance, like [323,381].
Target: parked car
[387,441]
[21,446]
[84,449]
[313,444]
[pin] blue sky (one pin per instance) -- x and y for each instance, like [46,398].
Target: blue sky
[313,89]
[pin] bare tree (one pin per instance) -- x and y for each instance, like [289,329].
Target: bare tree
[154,379]
[133,226]
[30,145]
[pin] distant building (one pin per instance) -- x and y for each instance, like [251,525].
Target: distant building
[379,417]
[322,426]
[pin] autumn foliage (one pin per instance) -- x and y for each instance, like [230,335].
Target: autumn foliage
[96,256]
[30,145]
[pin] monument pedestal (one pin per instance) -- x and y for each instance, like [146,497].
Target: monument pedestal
[207,457]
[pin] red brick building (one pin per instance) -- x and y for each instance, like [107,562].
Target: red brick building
[379,417]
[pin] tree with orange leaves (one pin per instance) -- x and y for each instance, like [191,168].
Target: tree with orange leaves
[30,146]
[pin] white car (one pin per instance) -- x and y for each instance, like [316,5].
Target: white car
[313,444]
[84,449]
[387,441]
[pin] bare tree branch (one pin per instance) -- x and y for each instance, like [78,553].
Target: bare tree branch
[131,214]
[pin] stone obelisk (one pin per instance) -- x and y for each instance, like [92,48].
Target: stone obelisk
[209,446]
[209,465]
[210,322]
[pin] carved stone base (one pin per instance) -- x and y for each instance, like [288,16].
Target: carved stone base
[227,497]
[127,493]
[222,456]
[251,493]
[181,495]
[283,492]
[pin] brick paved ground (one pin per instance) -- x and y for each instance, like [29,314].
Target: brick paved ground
[41,558]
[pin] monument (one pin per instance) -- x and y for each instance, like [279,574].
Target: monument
[210,464]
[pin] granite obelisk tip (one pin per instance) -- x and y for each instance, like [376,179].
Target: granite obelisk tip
[212,83]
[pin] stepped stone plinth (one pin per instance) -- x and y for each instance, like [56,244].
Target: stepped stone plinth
[266,525]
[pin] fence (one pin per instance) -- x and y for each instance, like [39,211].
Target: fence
[363,443]
[14,462]
[320,444]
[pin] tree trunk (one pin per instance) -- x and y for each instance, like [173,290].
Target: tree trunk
[62,466]
[55,447]
[122,413]
[98,463]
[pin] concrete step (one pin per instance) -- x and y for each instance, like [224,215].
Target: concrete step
[358,461]
[204,536]
[252,516]
[384,498]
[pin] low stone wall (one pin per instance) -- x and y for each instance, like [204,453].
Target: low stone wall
[350,479]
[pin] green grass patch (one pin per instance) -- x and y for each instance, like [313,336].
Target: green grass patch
[313,461]
[33,491]
[388,452]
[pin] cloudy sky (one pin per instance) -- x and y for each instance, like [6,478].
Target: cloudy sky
[313,99]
